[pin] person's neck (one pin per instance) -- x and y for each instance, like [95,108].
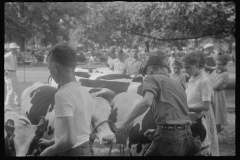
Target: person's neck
[67,77]
[120,59]
[197,73]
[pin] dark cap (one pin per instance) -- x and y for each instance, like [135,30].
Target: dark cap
[153,60]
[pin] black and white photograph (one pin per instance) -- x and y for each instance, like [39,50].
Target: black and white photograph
[119,78]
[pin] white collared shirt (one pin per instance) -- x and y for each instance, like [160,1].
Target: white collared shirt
[10,61]
[199,89]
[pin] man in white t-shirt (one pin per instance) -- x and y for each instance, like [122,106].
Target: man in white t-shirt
[73,107]
[10,76]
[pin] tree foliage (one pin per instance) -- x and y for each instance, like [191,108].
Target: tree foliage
[104,24]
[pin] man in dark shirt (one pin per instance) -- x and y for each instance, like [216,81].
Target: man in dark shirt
[168,101]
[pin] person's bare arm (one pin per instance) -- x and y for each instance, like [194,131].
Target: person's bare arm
[218,85]
[67,141]
[203,106]
[141,108]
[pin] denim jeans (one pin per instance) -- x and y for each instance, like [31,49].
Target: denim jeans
[82,150]
[173,143]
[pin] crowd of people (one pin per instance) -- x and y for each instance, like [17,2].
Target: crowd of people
[165,90]
[204,90]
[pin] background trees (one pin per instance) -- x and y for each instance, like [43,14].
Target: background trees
[104,24]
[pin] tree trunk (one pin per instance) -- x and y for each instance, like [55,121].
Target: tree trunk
[22,44]
[146,47]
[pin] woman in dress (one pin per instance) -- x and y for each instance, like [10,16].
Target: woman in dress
[199,92]
[219,79]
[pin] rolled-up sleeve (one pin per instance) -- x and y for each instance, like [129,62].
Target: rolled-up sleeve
[150,85]
[64,106]
[206,90]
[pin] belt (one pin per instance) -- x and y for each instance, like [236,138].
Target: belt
[11,70]
[173,127]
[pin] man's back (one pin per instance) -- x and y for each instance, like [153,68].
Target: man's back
[74,100]
[171,100]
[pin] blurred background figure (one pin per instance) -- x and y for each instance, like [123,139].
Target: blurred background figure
[171,60]
[135,64]
[13,98]
[219,79]
[111,56]
[118,64]
[177,74]
[128,61]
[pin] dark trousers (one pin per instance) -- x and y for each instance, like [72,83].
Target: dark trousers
[82,150]
[173,143]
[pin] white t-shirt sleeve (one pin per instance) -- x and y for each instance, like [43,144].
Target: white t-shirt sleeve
[206,88]
[64,106]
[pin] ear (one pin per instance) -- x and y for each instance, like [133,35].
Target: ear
[55,68]
[41,127]
[9,127]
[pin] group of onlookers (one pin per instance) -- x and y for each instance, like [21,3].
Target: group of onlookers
[129,66]
[205,92]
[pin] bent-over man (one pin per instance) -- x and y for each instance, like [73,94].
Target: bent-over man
[168,101]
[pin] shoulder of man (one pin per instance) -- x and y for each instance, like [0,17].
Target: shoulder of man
[8,54]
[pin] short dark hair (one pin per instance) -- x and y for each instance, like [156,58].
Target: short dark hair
[64,54]
[178,63]
[112,50]
[120,51]
[224,59]
[202,60]
[192,58]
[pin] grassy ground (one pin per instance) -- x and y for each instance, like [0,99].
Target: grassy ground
[226,137]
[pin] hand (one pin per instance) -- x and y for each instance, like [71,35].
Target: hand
[47,152]
[149,132]
[45,143]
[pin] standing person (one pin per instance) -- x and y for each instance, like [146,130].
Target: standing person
[168,101]
[199,92]
[128,62]
[111,56]
[178,75]
[135,65]
[219,79]
[10,77]
[171,60]
[118,64]
[73,107]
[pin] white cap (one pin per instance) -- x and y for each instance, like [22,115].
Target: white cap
[12,45]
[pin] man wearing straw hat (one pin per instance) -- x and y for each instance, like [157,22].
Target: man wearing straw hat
[10,67]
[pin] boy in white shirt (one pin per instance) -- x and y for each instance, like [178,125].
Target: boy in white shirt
[73,107]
